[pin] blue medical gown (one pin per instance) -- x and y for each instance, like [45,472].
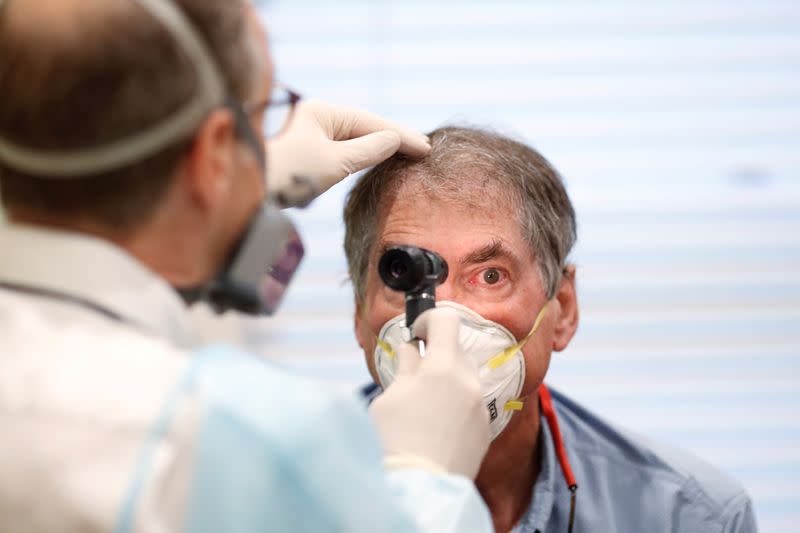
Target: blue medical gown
[273,451]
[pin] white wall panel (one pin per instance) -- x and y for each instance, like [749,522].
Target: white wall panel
[676,126]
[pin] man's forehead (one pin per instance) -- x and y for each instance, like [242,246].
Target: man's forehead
[471,187]
[461,231]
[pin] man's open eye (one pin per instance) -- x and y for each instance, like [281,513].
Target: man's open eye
[491,276]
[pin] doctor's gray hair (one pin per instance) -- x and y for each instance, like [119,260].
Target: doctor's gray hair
[474,168]
[87,73]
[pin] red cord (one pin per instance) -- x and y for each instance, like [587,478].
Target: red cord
[552,421]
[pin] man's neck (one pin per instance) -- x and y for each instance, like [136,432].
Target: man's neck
[511,466]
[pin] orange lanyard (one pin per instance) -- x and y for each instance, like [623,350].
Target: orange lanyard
[561,452]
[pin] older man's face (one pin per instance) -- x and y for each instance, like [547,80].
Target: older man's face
[492,271]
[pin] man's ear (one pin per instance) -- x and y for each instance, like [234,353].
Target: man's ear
[568,316]
[358,324]
[211,162]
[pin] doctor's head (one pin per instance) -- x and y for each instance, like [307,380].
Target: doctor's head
[497,212]
[81,76]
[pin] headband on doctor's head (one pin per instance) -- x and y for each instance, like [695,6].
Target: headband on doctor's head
[77,163]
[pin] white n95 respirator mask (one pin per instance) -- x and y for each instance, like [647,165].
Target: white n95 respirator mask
[494,349]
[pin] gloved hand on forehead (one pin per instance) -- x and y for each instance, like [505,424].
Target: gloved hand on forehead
[324,144]
[433,415]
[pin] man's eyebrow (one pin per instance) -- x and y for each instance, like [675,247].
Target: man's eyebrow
[383,246]
[492,250]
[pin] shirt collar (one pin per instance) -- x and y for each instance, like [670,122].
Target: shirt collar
[93,269]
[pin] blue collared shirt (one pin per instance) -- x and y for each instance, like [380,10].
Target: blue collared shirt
[627,483]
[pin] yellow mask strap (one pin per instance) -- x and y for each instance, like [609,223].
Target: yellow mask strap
[514,405]
[503,357]
[386,347]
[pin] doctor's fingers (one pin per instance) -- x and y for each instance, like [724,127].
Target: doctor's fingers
[440,328]
[347,123]
[366,151]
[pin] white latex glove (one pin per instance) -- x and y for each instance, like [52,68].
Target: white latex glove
[324,144]
[433,413]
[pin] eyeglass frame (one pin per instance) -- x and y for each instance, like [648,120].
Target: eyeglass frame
[292,98]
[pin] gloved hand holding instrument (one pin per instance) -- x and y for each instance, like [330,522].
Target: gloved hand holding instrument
[433,415]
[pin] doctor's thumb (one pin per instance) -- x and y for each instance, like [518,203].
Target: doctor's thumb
[408,358]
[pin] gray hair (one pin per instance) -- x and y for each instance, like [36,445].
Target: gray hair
[466,165]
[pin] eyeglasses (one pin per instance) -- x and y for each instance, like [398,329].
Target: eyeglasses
[278,109]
